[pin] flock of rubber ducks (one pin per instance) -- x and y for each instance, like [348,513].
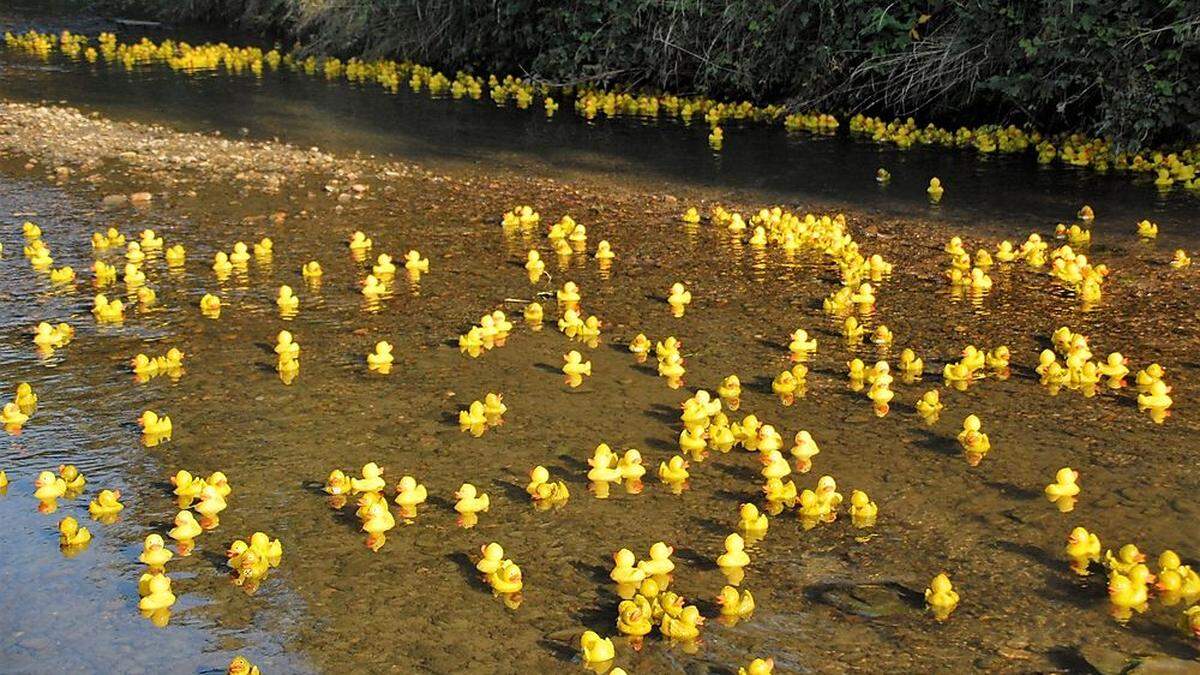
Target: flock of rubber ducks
[647,601]
[1169,169]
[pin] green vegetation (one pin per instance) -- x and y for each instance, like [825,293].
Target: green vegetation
[1125,69]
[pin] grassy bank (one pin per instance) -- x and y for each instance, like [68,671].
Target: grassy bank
[1113,68]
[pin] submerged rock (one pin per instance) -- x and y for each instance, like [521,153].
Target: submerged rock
[1112,662]
[869,599]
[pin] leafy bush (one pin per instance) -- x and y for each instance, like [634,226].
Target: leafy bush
[1129,69]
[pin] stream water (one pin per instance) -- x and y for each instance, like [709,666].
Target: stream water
[830,599]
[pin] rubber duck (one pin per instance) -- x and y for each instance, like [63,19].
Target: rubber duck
[801,346]
[862,510]
[264,249]
[381,359]
[541,489]
[221,266]
[604,251]
[371,481]
[751,521]
[1157,401]
[155,553]
[625,570]
[735,556]
[185,531]
[685,627]
[154,425]
[941,597]
[311,271]
[241,666]
[12,418]
[1083,548]
[1115,368]
[71,476]
[679,299]
[210,505]
[470,500]
[935,190]
[220,483]
[673,471]
[1189,623]
[377,521]
[631,467]
[1147,229]
[175,255]
[691,216]
[568,295]
[71,534]
[158,595]
[635,618]
[758,667]
[1085,213]
[62,275]
[1126,596]
[533,315]
[659,564]
[1064,485]
[1127,557]
[910,364]
[48,486]
[973,441]
[506,579]
[1149,375]
[882,176]
[287,300]
[107,503]
[1179,261]
[575,368]
[107,311]
[595,650]
[730,392]
[734,604]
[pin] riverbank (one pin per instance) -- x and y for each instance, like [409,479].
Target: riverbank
[830,598]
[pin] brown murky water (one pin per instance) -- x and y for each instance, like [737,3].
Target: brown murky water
[833,598]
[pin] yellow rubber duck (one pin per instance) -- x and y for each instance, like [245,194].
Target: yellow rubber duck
[569,294]
[62,275]
[470,500]
[359,241]
[413,262]
[730,391]
[1083,548]
[220,483]
[381,359]
[758,667]
[287,300]
[673,471]
[734,604]
[596,650]
[210,306]
[735,556]
[542,490]
[1064,485]
[634,619]
[312,271]
[374,287]
[1157,401]
[107,503]
[685,627]
[751,521]
[604,251]
[1126,595]
[506,579]
[1127,558]
[631,468]
[625,570]
[371,481]
[1086,213]
[155,553]
[71,534]
[49,487]
[801,346]
[158,595]
[941,597]
[209,507]
[221,265]
[241,666]
[575,368]
[910,364]
[107,311]
[240,255]
[679,299]
[175,255]
[935,190]
[1179,261]
[1147,229]
[862,510]
[265,248]
[185,531]
[12,418]
[187,486]
[659,564]
[71,476]
[377,521]
[154,425]
[25,399]
[973,441]
[691,216]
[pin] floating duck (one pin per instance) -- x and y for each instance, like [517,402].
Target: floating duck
[575,368]
[381,359]
[862,510]
[1147,229]
[210,306]
[371,481]
[935,190]
[12,418]
[71,535]
[107,311]
[158,595]
[287,301]
[185,531]
[679,299]
[155,553]
[735,556]
[311,271]
[154,425]
[107,503]
[175,255]
[209,507]
[758,667]
[974,442]
[734,604]
[49,487]
[241,666]
[1156,400]
[377,521]
[596,650]
[1064,489]
[1083,548]
[941,597]
[470,501]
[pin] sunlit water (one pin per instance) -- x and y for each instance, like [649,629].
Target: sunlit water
[417,604]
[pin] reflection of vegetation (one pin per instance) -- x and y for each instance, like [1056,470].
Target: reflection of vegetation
[1113,67]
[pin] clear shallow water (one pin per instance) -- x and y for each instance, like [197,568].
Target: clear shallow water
[416,605]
